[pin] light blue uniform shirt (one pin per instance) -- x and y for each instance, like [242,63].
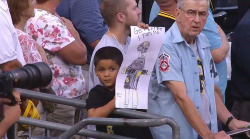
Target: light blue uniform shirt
[154,12]
[182,67]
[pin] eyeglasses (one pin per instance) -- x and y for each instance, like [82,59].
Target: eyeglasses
[193,13]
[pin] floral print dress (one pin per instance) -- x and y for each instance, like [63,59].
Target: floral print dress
[30,52]
[50,32]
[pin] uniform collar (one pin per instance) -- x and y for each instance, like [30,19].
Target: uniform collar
[200,39]
[176,32]
[167,15]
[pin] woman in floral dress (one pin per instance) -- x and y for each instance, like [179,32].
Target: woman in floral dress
[66,54]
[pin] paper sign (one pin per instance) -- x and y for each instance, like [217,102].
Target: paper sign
[134,75]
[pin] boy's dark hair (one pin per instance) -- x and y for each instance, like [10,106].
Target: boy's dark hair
[108,52]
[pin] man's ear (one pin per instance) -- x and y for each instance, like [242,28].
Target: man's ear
[177,13]
[121,17]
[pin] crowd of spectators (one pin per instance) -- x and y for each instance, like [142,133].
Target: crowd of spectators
[75,39]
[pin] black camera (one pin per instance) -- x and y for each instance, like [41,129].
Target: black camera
[28,77]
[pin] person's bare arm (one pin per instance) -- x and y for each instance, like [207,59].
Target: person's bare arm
[11,65]
[220,54]
[4,128]
[11,114]
[224,114]
[189,110]
[103,111]
[94,43]
[42,53]
[217,91]
[74,53]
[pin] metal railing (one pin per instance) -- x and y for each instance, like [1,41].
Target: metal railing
[61,127]
[142,117]
[113,122]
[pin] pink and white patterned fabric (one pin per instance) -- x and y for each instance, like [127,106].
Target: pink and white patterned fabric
[30,52]
[50,32]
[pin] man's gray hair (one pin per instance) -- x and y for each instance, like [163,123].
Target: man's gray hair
[181,3]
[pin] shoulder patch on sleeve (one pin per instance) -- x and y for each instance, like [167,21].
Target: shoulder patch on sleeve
[164,62]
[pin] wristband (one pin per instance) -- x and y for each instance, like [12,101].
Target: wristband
[229,119]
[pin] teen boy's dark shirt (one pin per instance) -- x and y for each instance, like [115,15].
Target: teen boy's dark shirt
[100,96]
[163,20]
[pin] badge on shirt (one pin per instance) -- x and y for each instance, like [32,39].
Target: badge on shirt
[164,62]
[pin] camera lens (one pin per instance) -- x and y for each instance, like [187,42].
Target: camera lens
[31,76]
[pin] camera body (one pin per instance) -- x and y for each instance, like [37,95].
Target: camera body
[28,77]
